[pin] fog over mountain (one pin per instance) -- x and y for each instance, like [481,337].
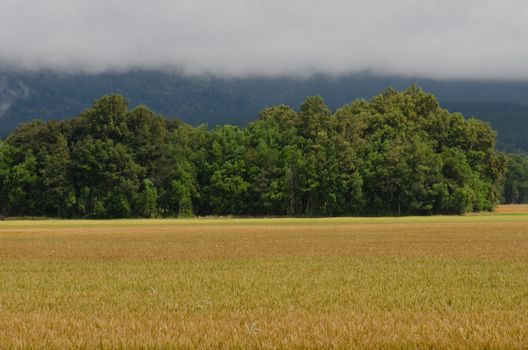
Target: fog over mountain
[218,62]
[444,39]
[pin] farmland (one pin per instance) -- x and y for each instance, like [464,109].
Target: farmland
[413,282]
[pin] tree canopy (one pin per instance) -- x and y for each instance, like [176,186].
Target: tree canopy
[516,182]
[397,153]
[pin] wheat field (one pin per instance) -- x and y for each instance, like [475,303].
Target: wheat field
[365,283]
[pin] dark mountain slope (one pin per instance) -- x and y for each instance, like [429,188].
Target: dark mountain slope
[25,96]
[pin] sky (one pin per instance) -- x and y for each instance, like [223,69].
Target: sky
[444,39]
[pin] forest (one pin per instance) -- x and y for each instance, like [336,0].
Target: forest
[399,153]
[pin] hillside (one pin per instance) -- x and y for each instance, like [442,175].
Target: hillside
[196,100]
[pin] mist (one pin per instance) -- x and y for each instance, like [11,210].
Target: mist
[439,39]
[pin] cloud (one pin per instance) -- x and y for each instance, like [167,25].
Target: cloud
[428,38]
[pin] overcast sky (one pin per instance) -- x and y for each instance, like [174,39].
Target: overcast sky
[428,38]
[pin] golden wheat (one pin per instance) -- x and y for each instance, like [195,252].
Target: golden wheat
[392,283]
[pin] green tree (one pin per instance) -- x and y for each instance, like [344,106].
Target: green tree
[106,119]
[59,192]
[21,181]
[516,182]
[6,161]
[109,173]
[227,189]
[146,204]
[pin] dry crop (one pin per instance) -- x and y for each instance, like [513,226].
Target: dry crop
[438,282]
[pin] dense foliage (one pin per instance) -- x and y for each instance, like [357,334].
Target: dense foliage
[398,153]
[25,96]
[516,181]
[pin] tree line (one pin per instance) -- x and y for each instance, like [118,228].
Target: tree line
[516,182]
[398,153]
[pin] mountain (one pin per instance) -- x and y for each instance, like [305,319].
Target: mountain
[25,96]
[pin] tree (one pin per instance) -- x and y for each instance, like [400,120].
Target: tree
[146,204]
[516,182]
[21,181]
[109,174]
[6,161]
[106,119]
[59,191]
[227,189]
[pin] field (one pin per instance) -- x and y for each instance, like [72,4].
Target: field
[392,283]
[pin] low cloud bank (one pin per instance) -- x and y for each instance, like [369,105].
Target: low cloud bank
[443,39]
